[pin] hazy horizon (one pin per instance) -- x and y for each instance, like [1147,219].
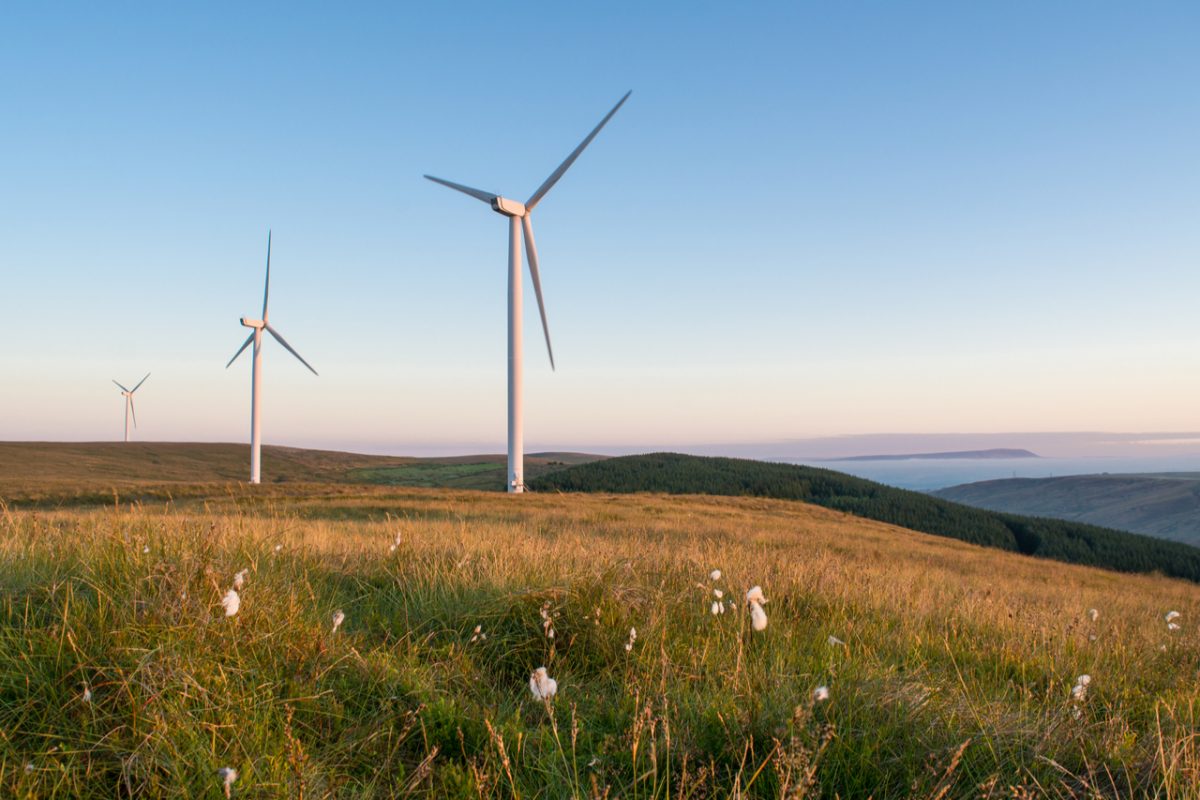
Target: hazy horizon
[807,221]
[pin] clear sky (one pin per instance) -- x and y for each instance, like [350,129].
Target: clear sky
[810,219]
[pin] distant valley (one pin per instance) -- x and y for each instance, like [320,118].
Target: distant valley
[1166,505]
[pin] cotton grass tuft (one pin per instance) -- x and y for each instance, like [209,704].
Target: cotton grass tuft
[231,602]
[227,775]
[821,694]
[338,619]
[542,685]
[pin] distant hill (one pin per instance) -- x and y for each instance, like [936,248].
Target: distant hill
[54,471]
[1072,542]
[1165,505]
[997,452]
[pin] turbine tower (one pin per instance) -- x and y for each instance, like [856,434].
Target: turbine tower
[129,412]
[256,337]
[519,218]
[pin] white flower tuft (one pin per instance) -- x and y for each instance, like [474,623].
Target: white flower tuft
[1093,614]
[758,617]
[231,602]
[542,685]
[1084,680]
[278,547]
[338,619]
[1173,615]
[146,549]
[29,768]
[239,579]
[717,593]
[835,642]
[87,694]
[755,595]
[227,775]
[547,621]
[632,639]
[478,635]
[715,575]
[1172,626]
[821,694]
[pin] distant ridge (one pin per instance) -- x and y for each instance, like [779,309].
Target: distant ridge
[1061,540]
[1166,505]
[996,452]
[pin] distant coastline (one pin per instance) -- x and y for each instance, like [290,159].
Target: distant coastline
[998,452]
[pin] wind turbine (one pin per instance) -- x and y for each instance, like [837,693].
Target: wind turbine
[129,412]
[260,325]
[519,217]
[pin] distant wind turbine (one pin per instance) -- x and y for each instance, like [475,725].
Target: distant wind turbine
[129,412]
[259,325]
[519,216]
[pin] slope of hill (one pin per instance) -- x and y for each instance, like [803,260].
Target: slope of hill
[947,669]
[1057,539]
[52,469]
[1165,505]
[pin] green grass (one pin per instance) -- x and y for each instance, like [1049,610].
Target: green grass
[956,672]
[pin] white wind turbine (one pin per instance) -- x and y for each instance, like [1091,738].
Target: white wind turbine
[519,216]
[259,325]
[129,412]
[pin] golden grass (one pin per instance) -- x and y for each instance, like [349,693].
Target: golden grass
[954,679]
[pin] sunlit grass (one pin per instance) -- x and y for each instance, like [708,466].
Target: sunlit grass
[893,665]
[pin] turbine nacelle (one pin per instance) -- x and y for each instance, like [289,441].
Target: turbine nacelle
[509,208]
[253,323]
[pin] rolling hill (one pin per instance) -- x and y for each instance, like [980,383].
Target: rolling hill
[1073,542]
[52,470]
[1164,505]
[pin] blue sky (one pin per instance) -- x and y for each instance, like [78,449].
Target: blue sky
[809,220]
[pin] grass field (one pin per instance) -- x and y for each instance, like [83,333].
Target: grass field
[121,676]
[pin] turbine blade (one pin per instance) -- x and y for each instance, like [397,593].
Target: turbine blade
[478,194]
[245,344]
[132,410]
[281,340]
[123,389]
[143,380]
[563,167]
[267,285]
[531,254]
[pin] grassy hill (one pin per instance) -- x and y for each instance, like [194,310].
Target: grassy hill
[1164,505]
[1072,542]
[950,674]
[54,471]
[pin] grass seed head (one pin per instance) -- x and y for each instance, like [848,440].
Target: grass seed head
[227,775]
[231,602]
[542,685]
[758,617]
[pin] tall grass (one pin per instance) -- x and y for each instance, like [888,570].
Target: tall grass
[954,680]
